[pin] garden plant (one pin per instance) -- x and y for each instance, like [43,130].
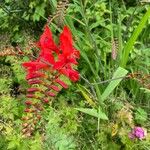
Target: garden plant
[75,75]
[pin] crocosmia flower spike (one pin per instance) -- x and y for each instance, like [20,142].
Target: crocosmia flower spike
[45,74]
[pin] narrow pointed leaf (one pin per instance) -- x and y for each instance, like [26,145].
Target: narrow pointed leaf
[120,72]
[93,112]
[86,96]
[129,46]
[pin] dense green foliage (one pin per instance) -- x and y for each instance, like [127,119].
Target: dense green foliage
[113,39]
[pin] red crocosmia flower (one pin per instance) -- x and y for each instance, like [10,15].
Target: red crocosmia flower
[46,71]
[68,56]
[76,54]
[48,57]
[62,61]
[34,65]
[72,74]
[33,68]
[47,46]
[66,43]
[46,41]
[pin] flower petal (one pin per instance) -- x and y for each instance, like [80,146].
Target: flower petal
[46,41]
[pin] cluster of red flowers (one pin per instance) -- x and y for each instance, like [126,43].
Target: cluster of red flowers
[60,57]
[53,62]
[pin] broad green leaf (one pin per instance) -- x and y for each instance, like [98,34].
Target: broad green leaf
[119,74]
[93,112]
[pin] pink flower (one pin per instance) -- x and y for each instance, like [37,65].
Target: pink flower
[137,132]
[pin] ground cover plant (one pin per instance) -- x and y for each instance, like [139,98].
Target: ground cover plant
[74,75]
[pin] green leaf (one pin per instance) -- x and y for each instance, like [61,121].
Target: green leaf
[147,91]
[140,116]
[93,112]
[53,4]
[86,95]
[39,11]
[120,73]
[129,46]
[11,145]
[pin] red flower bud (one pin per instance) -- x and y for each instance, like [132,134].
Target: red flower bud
[27,110]
[35,82]
[45,100]
[31,96]
[33,89]
[63,84]
[51,94]
[28,102]
[55,88]
[34,75]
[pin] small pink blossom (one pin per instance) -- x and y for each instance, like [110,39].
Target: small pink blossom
[137,132]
